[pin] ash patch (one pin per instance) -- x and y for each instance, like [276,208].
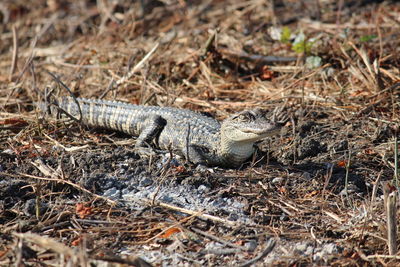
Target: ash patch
[134,187]
[321,253]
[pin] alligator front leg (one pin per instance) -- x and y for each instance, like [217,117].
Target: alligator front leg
[199,155]
[149,134]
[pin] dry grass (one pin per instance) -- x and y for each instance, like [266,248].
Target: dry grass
[346,110]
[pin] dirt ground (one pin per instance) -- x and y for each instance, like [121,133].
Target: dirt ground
[313,195]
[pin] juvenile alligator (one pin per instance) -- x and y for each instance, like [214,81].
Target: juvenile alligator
[199,138]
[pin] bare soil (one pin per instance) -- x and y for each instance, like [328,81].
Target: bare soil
[312,195]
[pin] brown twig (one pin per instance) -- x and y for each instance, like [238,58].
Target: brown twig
[390,199]
[215,238]
[14,60]
[256,58]
[198,214]
[270,246]
[112,202]
[209,45]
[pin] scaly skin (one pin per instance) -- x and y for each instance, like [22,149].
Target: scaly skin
[199,138]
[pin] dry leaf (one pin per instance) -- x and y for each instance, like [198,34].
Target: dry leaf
[170,232]
[83,210]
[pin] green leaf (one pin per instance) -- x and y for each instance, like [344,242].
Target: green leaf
[302,47]
[367,38]
[301,44]
[285,35]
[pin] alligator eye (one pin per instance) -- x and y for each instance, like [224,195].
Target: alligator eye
[245,116]
[250,116]
[238,117]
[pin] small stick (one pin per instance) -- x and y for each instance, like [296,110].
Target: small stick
[115,84]
[208,46]
[346,178]
[375,189]
[270,246]
[28,61]
[391,223]
[109,201]
[130,261]
[48,243]
[256,58]
[178,224]
[215,238]
[396,159]
[137,67]
[377,256]
[15,52]
[61,181]
[390,200]
[198,214]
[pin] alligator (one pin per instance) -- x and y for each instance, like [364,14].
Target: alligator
[197,137]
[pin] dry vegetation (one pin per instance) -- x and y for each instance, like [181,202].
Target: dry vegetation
[312,195]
